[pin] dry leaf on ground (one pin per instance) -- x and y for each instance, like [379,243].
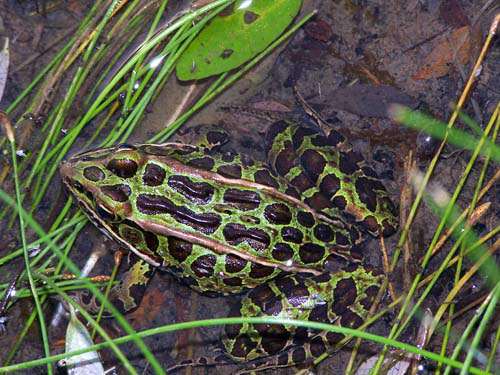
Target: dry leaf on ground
[150,306]
[440,60]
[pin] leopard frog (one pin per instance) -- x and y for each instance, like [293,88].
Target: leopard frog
[225,223]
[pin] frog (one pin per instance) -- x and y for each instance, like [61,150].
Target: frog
[285,233]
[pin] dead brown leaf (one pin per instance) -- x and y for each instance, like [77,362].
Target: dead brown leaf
[439,62]
[150,306]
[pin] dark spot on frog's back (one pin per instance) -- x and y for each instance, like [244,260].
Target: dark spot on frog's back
[334,337]
[242,199]
[340,202]
[285,159]
[196,192]
[335,138]
[231,331]
[317,346]
[319,313]
[93,174]
[305,219]
[388,227]
[313,163]
[264,297]
[371,225]
[369,171]
[151,204]
[299,355]
[282,252]
[242,346]
[234,264]
[232,281]
[285,284]
[259,271]
[311,253]
[228,157]
[291,234]
[78,186]
[264,177]
[344,295]
[203,266]
[302,182]
[351,320]
[299,133]
[348,162]
[230,171]
[330,184]
[318,201]
[278,213]
[323,233]
[366,189]
[274,338]
[179,249]
[155,150]
[371,294]
[154,175]
[119,192]
[320,141]
[235,234]
[274,130]
[247,161]
[124,168]
[206,163]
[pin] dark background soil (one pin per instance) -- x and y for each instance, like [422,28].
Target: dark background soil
[376,43]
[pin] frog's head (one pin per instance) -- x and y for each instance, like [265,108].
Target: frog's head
[103,182]
[100,182]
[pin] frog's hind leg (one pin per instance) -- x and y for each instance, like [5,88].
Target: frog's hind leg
[326,168]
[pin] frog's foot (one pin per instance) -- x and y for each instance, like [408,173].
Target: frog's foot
[284,359]
[221,359]
[125,296]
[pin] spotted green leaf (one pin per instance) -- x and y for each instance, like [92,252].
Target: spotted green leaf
[236,35]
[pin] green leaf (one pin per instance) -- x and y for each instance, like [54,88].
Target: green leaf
[237,34]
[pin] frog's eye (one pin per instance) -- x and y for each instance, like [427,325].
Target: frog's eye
[105,214]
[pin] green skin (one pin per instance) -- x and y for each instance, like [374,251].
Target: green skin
[224,223]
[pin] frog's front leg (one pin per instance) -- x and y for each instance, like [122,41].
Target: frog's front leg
[127,294]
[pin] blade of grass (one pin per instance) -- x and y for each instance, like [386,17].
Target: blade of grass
[10,136]
[489,305]
[267,320]
[71,266]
